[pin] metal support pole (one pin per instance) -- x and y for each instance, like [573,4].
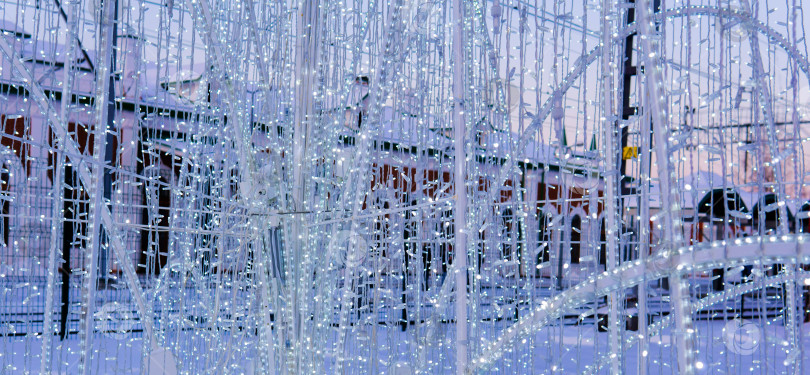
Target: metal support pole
[564,193]
[460,189]
[58,165]
[627,111]
[670,195]
[628,72]
[305,75]
[47,321]
[108,146]
[644,238]
[95,189]
[611,205]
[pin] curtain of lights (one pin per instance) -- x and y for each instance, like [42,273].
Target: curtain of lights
[404,187]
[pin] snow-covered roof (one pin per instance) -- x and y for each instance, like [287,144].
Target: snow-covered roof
[698,186]
[407,131]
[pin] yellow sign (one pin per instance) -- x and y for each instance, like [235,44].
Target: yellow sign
[629,153]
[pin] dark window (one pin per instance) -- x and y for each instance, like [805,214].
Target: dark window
[543,238]
[5,181]
[602,243]
[576,238]
[15,136]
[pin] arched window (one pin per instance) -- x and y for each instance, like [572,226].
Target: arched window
[769,220]
[576,238]
[714,209]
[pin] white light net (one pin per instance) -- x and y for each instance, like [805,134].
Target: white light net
[404,187]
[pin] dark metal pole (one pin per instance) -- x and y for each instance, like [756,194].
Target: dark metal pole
[628,72]
[110,149]
[68,230]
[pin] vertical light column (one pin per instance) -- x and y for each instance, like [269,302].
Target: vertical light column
[95,188]
[644,239]
[670,194]
[799,344]
[609,119]
[267,289]
[250,186]
[460,189]
[57,198]
[237,127]
[305,67]
[53,249]
[306,60]
[108,150]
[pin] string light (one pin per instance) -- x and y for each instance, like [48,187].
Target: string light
[403,186]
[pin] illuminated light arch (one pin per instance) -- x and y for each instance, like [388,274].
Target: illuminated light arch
[705,302]
[766,249]
[596,285]
[581,64]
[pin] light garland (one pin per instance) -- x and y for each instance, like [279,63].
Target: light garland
[403,186]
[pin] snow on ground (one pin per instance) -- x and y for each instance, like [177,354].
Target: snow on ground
[556,349]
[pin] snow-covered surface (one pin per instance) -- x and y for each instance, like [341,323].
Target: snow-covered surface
[572,344]
[569,348]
